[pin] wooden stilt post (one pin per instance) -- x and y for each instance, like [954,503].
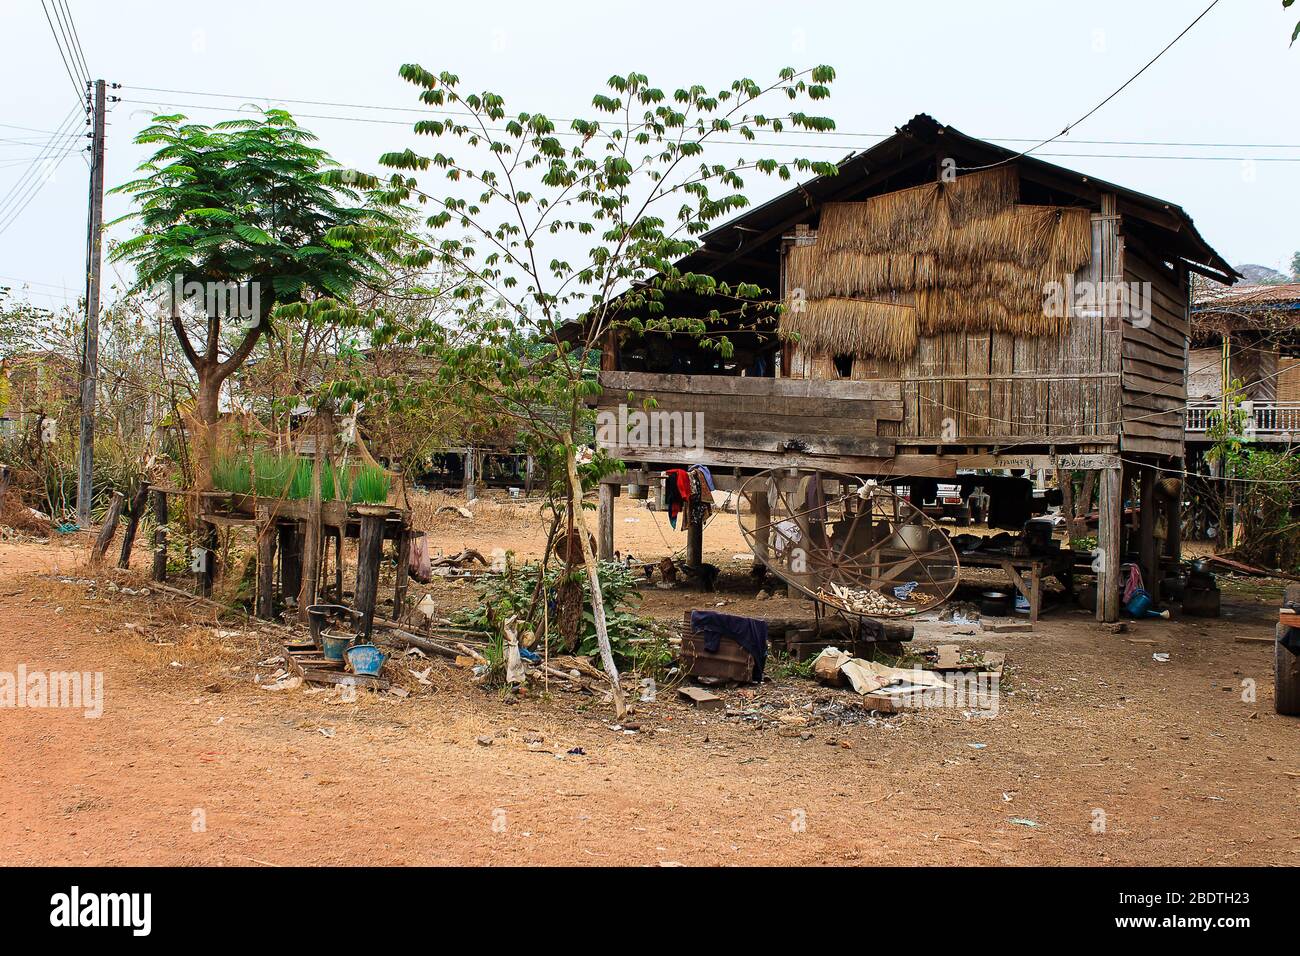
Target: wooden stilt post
[205,568]
[290,560]
[762,520]
[1174,520]
[159,535]
[109,528]
[471,492]
[1110,515]
[311,545]
[370,544]
[139,501]
[1149,556]
[695,543]
[605,522]
[403,545]
[265,563]
[338,565]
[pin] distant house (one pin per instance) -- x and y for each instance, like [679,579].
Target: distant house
[1250,334]
[36,384]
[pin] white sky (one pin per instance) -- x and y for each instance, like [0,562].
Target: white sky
[993,69]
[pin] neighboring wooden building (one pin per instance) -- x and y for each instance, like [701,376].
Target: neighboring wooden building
[1248,334]
[955,305]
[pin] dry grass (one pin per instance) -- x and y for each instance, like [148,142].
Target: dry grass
[16,515]
[939,257]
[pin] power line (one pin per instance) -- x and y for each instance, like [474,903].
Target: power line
[31,181]
[832,134]
[734,142]
[1123,86]
[77,83]
[76,39]
[61,138]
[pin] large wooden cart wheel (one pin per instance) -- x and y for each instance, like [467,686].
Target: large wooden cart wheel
[849,544]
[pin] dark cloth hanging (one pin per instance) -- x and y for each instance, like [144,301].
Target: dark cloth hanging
[749,632]
[677,487]
[705,474]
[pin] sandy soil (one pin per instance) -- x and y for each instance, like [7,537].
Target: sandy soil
[192,763]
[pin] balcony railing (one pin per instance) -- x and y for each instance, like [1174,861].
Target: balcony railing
[1275,421]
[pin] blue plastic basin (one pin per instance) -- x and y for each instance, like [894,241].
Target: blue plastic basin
[366,659]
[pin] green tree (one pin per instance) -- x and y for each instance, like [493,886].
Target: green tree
[249,205]
[562,237]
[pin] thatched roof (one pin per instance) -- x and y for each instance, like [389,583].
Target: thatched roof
[745,248]
[957,255]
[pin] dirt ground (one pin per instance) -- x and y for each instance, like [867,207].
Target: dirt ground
[1116,758]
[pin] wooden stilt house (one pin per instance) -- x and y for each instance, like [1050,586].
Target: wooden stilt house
[948,304]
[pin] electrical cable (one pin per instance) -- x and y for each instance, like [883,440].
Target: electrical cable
[1120,89]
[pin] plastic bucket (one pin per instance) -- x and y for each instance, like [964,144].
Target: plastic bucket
[334,643]
[365,659]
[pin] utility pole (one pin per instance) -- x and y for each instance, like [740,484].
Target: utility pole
[90,346]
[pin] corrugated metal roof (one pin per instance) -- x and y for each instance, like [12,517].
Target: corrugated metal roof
[1245,296]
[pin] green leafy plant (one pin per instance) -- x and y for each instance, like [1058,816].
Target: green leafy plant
[637,641]
[254,203]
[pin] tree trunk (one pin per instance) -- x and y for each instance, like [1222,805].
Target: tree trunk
[593,575]
[206,418]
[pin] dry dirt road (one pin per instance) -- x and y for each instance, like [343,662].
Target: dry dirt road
[191,763]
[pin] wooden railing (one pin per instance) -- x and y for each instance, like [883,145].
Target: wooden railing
[1265,420]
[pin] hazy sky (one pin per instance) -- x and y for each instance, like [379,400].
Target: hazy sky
[996,69]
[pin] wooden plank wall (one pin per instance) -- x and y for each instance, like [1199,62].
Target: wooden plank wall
[1155,357]
[837,421]
[997,385]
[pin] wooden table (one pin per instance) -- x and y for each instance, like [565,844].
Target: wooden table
[1039,566]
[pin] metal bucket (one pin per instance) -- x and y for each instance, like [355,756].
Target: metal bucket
[334,643]
[320,616]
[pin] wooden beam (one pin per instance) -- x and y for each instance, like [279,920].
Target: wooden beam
[370,544]
[1149,557]
[1109,531]
[160,531]
[605,523]
[266,540]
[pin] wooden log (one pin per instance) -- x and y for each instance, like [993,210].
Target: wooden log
[266,539]
[109,527]
[139,501]
[1110,515]
[159,535]
[605,523]
[370,544]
